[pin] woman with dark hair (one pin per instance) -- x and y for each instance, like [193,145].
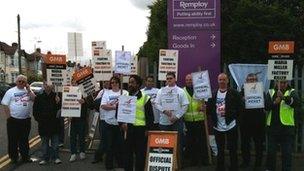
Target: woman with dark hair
[113,135]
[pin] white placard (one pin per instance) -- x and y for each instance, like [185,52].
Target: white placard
[168,62]
[123,62]
[280,69]
[169,98]
[98,47]
[160,160]
[254,97]
[126,109]
[103,66]
[86,81]
[69,73]
[70,105]
[134,63]
[201,85]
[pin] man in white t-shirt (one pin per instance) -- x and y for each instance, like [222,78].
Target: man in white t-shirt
[173,104]
[224,107]
[18,105]
[151,91]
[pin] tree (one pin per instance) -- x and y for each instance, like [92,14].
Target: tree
[157,31]
[247,26]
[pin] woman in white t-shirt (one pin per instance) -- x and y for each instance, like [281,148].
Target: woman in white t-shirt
[114,136]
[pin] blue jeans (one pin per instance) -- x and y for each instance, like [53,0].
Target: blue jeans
[47,151]
[77,135]
[179,127]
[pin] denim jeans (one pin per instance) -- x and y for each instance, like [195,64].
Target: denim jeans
[47,151]
[77,135]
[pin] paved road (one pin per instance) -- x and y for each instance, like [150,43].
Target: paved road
[3,132]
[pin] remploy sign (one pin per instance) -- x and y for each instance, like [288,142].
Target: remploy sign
[194,30]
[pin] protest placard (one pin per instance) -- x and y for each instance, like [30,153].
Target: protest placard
[168,62]
[56,70]
[103,66]
[126,109]
[123,62]
[162,151]
[86,81]
[254,96]
[201,85]
[70,105]
[169,98]
[280,69]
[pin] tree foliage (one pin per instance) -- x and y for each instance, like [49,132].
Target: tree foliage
[247,26]
[157,31]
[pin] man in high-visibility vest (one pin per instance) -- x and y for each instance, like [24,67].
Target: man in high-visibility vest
[281,103]
[136,138]
[196,148]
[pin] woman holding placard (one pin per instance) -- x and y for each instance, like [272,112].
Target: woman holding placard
[113,135]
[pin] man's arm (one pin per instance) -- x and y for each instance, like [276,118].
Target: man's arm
[6,111]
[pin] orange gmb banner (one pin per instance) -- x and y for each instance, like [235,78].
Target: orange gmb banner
[166,140]
[82,73]
[281,47]
[55,59]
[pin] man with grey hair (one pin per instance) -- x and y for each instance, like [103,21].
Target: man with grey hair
[17,103]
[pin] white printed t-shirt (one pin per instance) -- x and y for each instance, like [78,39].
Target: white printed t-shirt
[18,102]
[221,111]
[153,93]
[111,97]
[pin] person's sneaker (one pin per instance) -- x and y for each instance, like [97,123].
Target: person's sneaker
[42,162]
[57,161]
[82,156]
[73,158]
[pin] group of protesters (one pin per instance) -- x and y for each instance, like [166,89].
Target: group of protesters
[124,145]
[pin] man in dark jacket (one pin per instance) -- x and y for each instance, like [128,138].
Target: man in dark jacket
[45,110]
[136,138]
[224,107]
[252,122]
[282,102]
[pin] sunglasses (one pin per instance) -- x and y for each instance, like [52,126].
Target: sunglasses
[21,81]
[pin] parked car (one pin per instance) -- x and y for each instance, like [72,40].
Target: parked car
[3,88]
[36,87]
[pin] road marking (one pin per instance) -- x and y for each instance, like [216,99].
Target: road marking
[5,160]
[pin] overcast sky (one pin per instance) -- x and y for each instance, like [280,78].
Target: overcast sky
[119,22]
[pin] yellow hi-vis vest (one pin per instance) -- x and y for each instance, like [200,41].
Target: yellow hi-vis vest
[140,119]
[193,114]
[286,111]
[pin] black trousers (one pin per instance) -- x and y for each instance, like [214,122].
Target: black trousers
[114,139]
[18,131]
[196,148]
[136,143]
[256,132]
[231,137]
[286,143]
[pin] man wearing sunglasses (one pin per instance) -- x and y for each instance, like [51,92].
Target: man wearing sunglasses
[18,103]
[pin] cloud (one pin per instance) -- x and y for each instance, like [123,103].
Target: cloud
[75,24]
[35,25]
[141,4]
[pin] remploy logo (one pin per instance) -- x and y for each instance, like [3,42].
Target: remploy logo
[193,5]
